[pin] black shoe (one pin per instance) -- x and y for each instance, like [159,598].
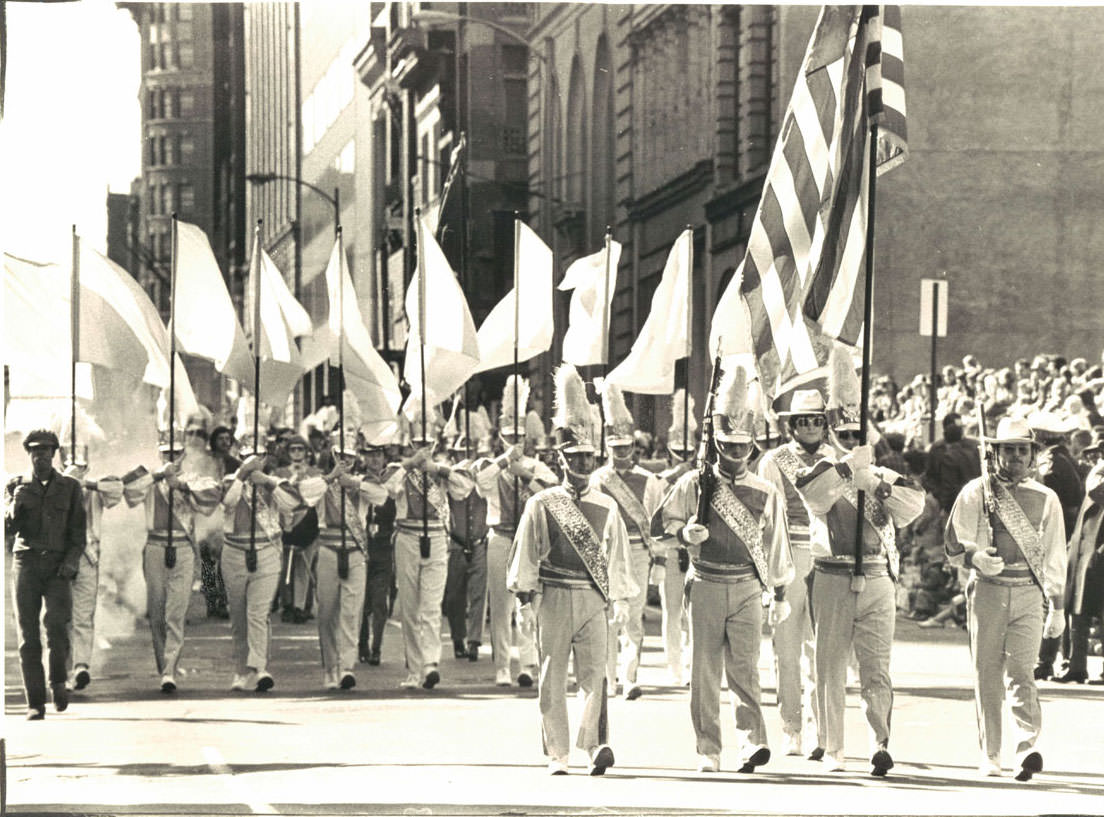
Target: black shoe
[459,650]
[374,658]
[1096,682]
[265,682]
[1043,672]
[817,753]
[524,679]
[433,677]
[348,681]
[288,616]
[760,758]
[61,697]
[81,679]
[473,650]
[1031,765]
[882,763]
[362,656]
[603,759]
[36,713]
[1072,677]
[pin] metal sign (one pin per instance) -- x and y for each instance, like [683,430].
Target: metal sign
[933,306]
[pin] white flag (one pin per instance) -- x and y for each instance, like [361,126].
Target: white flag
[650,366]
[367,376]
[588,317]
[451,344]
[282,320]
[206,323]
[533,304]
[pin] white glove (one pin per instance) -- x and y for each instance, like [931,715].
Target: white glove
[1055,623]
[859,457]
[866,480]
[987,562]
[620,614]
[527,619]
[779,612]
[659,573]
[694,533]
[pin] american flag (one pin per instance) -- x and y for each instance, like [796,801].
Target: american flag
[802,277]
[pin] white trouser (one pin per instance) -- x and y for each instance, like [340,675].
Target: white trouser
[168,591]
[340,606]
[421,588]
[249,597]
[501,603]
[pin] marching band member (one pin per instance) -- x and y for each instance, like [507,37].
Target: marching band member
[794,653]
[379,523]
[850,610]
[466,586]
[508,482]
[168,559]
[300,535]
[739,550]
[1008,529]
[99,495]
[638,494]
[250,562]
[421,551]
[570,566]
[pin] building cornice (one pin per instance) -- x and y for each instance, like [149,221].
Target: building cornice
[674,191]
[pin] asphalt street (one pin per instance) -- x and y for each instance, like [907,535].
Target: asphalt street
[468,747]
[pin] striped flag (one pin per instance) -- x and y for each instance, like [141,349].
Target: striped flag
[802,276]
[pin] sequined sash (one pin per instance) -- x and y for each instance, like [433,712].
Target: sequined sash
[577,530]
[736,515]
[876,515]
[1023,533]
[627,501]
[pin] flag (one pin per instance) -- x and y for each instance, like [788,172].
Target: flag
[367,376]
[282,320]
[534,309]
[448,334]
[206,323]
[806,249]
[435,216]
[664,338]
[586,341]
[120,329]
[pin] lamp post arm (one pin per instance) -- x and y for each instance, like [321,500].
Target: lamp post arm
[432,17]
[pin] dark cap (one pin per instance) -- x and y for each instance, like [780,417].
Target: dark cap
[41,438]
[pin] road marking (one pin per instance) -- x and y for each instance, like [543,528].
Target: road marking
[237,787]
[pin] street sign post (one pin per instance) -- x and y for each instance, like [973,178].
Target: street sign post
[933,324]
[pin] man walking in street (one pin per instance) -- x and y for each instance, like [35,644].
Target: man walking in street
[794,647]
[1008,529]
[734,525]
[45,520]
[570,566]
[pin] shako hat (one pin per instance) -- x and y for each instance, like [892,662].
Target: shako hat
[511,417]
[735,414]
[619,421]
[844,392]
[572,428]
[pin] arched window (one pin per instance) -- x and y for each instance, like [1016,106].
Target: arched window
[602,169]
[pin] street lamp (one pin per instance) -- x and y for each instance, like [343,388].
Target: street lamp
[431,17]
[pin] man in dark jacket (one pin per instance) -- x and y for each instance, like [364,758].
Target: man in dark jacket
[45,519]
[952,462]
[1057,471]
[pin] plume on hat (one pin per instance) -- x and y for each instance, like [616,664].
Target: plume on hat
[680,410]
[619,421]
[572,409]
[512,415]
[735,407]
[844,389]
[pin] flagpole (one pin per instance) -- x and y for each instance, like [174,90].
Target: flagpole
[170,551]
[868,330]
[251,556]
[424,544]
[517,331]
[341,369]
[605,333]
[689,341]
[74,322]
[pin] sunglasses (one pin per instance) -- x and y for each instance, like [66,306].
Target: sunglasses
[847,435]
[813,421]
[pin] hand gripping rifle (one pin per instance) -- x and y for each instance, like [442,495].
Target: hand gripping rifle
[707,452]
[987,501]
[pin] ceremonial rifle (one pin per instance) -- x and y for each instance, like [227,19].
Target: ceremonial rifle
[707,453]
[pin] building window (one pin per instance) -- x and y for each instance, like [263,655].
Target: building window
[187,54]
[154,57]
[152,200]
[153,32]
[187,103]
[168,145]
[183,31]
[515,59]
[514,120]
[184,11]
[166,198]
[152,97]
[186,198]
[187,149]
[167,59]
